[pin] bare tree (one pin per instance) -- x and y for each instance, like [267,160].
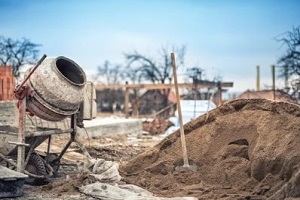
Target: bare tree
[109,74]
[144,68]
[156,71]
[17,53]
[291,59]
[289,63]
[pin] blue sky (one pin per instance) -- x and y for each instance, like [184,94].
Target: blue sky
[227,38]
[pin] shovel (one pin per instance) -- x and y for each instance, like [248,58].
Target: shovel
[186,166]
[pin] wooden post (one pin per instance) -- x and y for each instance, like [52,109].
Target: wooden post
[135,108]
[160,86]
[126,101]
[2,89]
[273,81]
[219,94]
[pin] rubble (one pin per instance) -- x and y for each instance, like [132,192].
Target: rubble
[156,126]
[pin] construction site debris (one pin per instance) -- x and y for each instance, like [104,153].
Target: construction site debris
[156,126]
[117,148]
[100,170]
[105,191]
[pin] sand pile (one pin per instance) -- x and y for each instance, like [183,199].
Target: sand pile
[245,149]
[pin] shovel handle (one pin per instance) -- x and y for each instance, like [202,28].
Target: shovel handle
[182,136]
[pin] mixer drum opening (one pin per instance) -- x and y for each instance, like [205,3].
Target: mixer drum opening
[70,71]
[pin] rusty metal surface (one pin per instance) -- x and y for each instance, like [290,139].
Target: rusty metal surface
[58,86]
[21,136]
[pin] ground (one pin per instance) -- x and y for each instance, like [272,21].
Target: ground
[244,149]
[118,148]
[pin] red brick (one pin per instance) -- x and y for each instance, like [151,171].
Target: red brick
[7,83]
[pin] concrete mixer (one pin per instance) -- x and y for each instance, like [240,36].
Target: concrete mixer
[58,89]
[53,90]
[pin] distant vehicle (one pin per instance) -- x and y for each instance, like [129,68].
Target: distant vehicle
[190,109]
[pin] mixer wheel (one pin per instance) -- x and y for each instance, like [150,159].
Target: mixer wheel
[36,166]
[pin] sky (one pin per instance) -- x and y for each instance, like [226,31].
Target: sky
[225,38]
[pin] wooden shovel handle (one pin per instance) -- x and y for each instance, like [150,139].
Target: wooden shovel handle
[182,136]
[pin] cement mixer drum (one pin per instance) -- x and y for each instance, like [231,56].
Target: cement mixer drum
[58,86]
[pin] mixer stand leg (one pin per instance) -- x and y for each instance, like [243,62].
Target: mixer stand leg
[72,138]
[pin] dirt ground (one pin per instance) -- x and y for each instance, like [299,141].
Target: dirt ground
[245,149]
[118,148]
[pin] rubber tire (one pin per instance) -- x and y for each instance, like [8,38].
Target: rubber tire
[36,166]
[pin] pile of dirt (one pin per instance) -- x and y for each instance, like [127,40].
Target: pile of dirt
[245,149]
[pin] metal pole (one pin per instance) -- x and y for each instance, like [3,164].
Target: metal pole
[21,136]
[72,138]
[49,144]
[273,80]
[126,101]
[257,78]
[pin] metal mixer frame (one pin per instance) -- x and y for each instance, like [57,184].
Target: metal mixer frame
[22,91]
